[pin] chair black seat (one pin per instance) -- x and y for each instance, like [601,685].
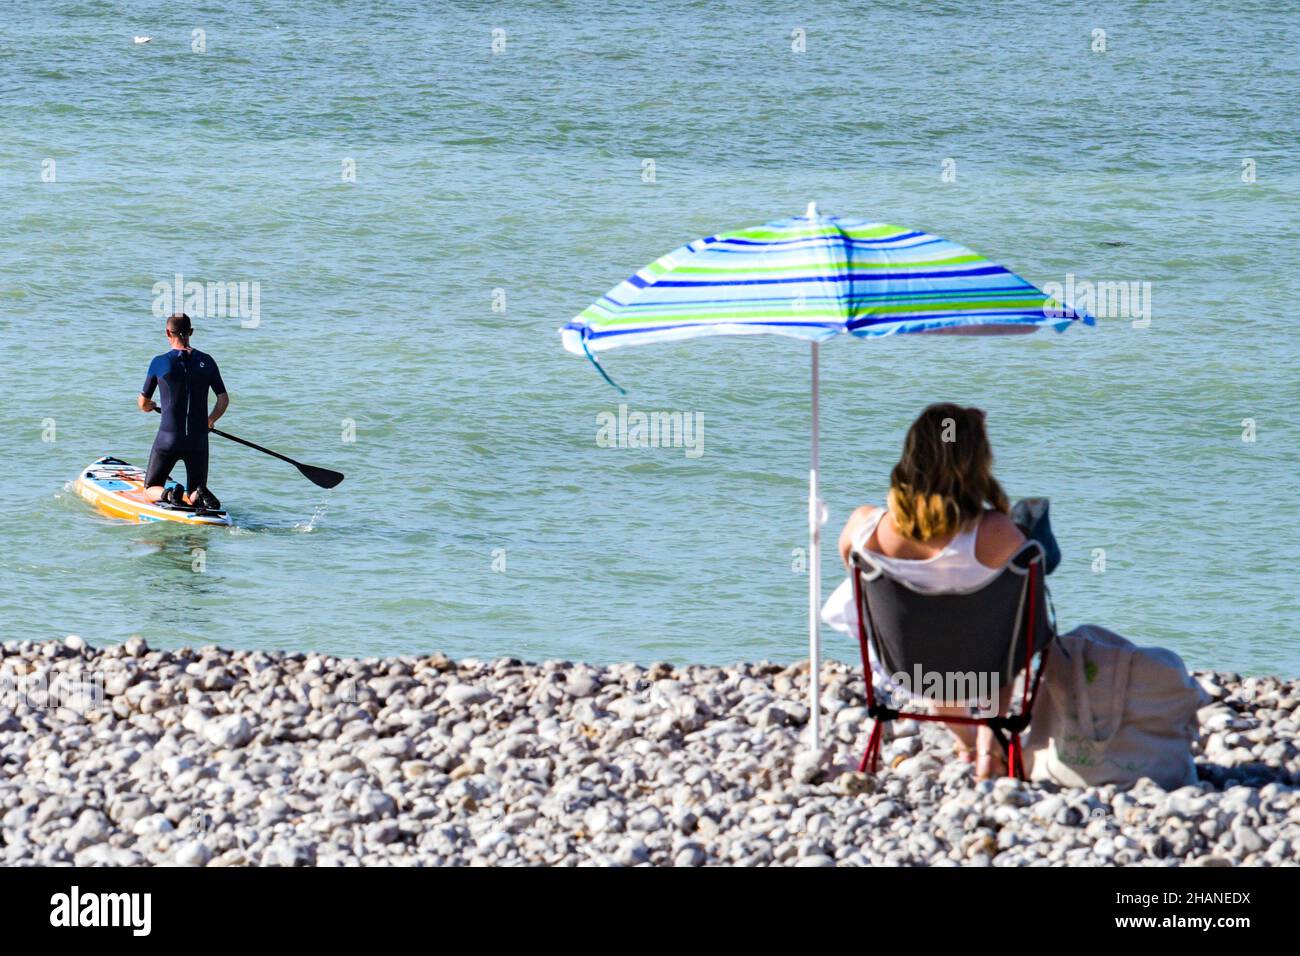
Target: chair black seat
[954,647]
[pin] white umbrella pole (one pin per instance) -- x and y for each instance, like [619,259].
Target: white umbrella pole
[816,517]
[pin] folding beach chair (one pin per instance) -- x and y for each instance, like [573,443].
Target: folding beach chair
[953,639]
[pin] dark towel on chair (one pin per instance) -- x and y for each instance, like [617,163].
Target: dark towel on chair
[1030,515]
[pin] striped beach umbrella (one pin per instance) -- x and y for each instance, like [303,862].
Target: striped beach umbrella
[814,277]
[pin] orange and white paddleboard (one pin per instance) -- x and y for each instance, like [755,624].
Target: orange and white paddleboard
[116,488]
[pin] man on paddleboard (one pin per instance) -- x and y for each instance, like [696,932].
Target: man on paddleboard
[184,375]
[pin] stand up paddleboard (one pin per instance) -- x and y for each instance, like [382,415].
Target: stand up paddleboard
[116,488]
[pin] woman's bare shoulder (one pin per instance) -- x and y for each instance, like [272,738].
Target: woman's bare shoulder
[863,513]
[860,516]
[999,538]
[856,520]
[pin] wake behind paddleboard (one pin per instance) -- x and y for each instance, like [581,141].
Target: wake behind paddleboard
[117,489]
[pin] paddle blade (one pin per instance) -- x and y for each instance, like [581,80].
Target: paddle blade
[320,476]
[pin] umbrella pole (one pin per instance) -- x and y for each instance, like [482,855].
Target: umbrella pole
[816,517]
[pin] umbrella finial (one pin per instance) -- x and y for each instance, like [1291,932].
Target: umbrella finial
[812,211]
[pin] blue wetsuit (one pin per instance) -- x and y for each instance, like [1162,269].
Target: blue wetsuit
[183,379]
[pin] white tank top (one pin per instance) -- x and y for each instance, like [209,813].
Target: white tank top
[955,568]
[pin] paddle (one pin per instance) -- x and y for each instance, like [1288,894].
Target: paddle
[318,476]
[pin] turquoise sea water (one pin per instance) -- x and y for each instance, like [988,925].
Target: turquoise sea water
[480,515]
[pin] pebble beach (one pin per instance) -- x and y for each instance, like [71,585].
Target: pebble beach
[124,755]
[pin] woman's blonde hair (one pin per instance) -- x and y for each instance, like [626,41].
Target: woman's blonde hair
[945,478]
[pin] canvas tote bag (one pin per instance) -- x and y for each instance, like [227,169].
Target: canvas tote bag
[1111,712]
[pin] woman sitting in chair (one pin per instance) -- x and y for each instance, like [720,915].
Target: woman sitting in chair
[946,526]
